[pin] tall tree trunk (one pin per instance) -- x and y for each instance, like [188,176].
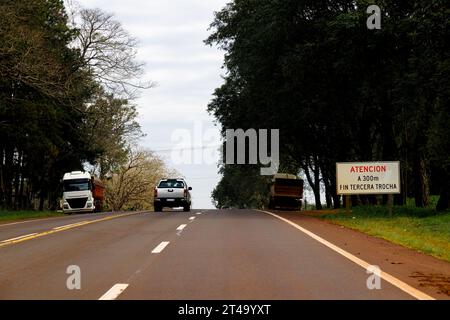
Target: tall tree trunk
[364,199]
[328,197]
[444,197]
[42,195]
[316,171]
[17,176]
[41,200]
[2,178]
[333,188]
[29,195]
[21,196]
[336,201]
[355,201]
[8,176]
[327,184]
[421,182]
[314,183]
[327,168]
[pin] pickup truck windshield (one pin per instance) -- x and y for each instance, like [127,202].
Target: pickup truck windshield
[77,185]
[171,184]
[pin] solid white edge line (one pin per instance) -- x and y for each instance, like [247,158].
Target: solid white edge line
[160,247]
[181,227]
[114,292]
[47,219]
[386,276]
[99,214]
[30,220]
[17,238]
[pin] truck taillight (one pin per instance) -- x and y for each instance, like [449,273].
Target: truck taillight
[185,193]
[156,193]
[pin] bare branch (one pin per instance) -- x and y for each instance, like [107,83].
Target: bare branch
[109,53]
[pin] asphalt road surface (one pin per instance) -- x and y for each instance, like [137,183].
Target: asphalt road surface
[204,254]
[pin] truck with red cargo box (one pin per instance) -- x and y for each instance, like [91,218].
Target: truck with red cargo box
[286,192]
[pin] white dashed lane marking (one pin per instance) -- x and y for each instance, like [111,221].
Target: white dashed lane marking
[114,292]
[160,247]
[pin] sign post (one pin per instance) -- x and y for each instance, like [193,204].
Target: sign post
[354,178]
[348,200]
[390,203]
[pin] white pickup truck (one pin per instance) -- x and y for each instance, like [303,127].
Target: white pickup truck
[172,193]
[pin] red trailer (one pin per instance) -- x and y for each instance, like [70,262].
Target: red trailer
[286,192]
[98,193]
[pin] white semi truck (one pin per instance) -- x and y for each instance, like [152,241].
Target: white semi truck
[82,192]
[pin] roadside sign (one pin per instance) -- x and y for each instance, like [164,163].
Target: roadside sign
[368,177]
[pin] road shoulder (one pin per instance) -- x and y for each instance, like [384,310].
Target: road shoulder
[426,273]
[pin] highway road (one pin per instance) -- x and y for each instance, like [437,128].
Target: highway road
[203,254]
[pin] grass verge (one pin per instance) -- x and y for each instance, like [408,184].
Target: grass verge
[419,229]
[11,216]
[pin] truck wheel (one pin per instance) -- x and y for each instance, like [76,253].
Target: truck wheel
[158,208]
[187,208]
[98,206]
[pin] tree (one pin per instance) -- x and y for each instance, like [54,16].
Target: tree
[337,90]
[42,92]
[241,187]
[108,52]
[111,128]
[61,106]
[132,185]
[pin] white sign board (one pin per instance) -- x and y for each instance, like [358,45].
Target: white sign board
[368,177]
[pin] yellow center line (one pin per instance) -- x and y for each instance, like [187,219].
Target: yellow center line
[63,228]
[70,225]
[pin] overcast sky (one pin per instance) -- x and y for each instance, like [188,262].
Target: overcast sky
[173,114]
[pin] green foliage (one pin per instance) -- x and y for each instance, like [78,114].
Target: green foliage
[53,115]
[417,228]
[111,127]
[241,187]
[41,98]
[6,216]
[336,90]
[397,211]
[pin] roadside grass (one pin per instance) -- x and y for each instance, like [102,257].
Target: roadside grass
[421,229]
[11,216]
[433,200]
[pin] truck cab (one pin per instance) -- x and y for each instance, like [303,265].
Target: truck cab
[81,192]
